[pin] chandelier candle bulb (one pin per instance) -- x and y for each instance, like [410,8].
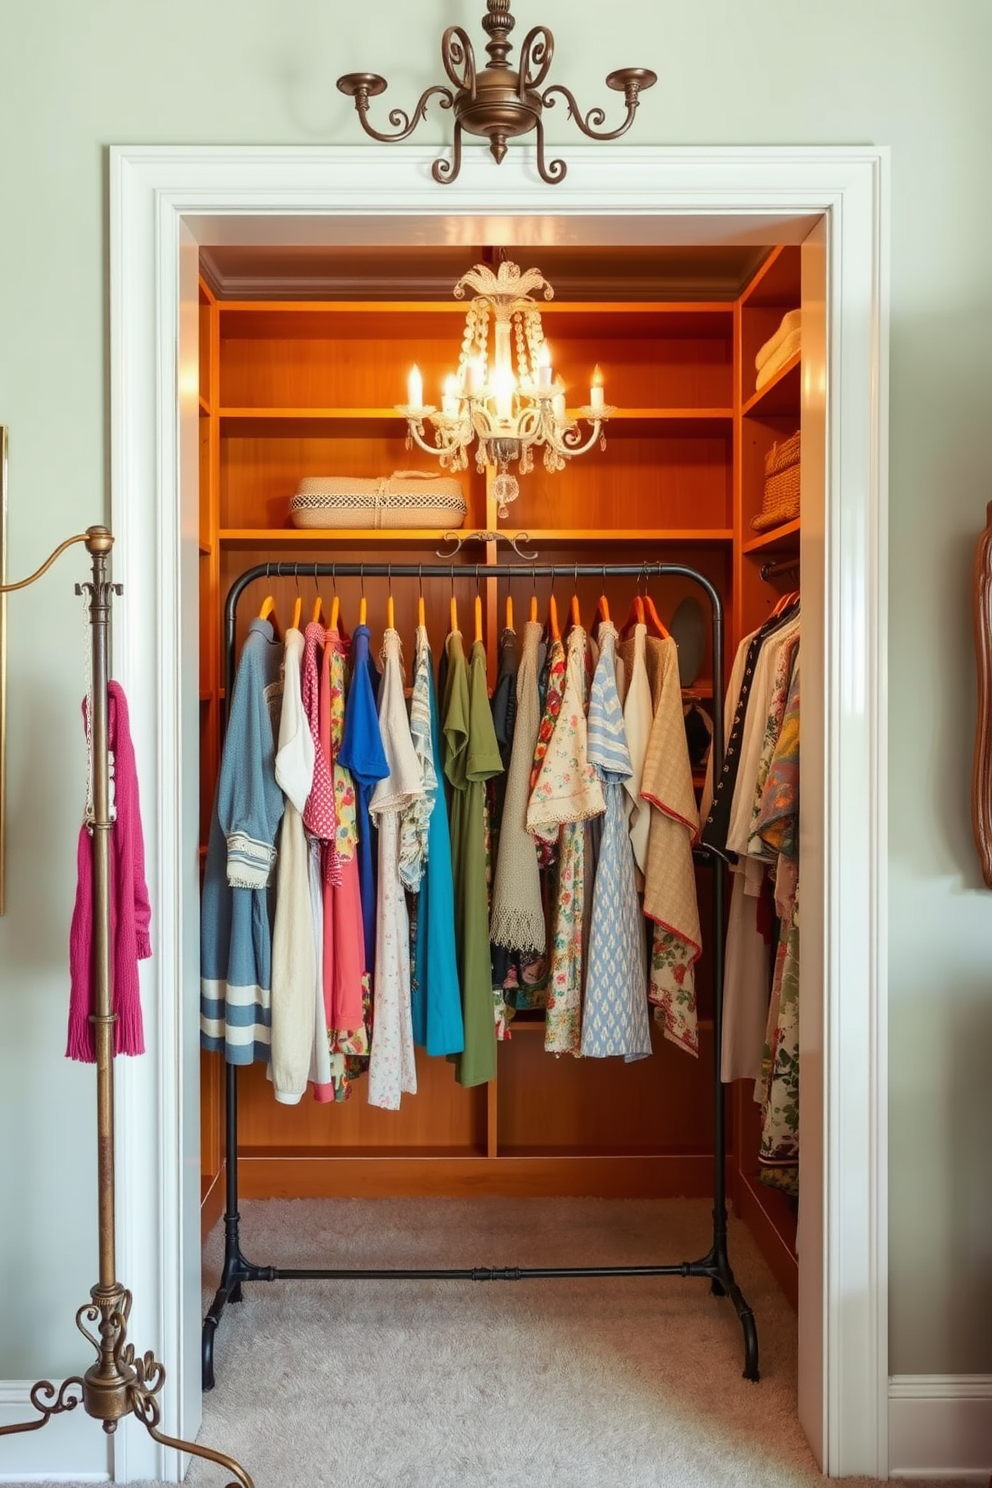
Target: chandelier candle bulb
[450,397]
[597,394]
[544,366]
[558,404]
[415,388]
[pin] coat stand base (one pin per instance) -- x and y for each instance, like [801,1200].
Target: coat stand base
[118,1385]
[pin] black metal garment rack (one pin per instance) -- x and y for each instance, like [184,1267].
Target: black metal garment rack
[715,1264]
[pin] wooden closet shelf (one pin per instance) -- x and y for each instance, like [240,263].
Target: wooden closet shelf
[279,538]
[780,396]
[641,535]
[666,422]
[775,541]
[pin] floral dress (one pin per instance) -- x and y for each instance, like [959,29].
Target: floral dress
[566,795]
[777,826]
[615,1015]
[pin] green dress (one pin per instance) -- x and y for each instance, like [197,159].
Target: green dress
[471,757]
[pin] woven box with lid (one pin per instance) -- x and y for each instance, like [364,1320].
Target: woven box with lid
[407,498]
[780,501]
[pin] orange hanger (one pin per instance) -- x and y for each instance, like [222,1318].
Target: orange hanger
[478,617]
[602,612]
[421,620]
[363,607]
[553,618]
[453,614]
[317,612]
[533,607]
[653,619]
[267,611]
[787,599]
[509,610]
[390,608]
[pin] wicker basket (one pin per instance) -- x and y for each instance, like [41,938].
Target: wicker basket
[780,502]
[407,498]
[782,455]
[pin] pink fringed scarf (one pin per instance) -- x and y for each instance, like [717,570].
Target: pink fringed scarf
[130,912]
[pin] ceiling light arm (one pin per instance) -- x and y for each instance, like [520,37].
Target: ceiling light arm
[458,56]
[554,170]
[365,85]
[537,53]
[628,80]
[445,171]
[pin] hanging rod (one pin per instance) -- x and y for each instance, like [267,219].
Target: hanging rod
[782,566]
[472,571]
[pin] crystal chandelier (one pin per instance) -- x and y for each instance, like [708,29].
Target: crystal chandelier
[504,394]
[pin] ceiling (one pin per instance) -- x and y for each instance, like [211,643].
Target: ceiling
[349,272]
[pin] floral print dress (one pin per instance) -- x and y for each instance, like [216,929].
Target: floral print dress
[566,795]
[615,1014]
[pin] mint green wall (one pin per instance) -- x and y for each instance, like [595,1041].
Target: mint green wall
[79,78]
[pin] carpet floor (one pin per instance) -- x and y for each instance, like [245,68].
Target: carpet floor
[584,1383]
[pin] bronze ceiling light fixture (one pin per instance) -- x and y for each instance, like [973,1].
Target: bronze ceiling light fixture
[498,102]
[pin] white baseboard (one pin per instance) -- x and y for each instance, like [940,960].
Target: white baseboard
[71,1446]
[940,1426]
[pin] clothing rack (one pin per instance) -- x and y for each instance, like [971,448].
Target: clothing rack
[714,1266]
[120,1383]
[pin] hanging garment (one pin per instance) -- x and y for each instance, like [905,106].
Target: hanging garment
[503,705]
[517,920]
[297,1026]
[235,928]
[669,879]
[718,795]
[751,922]
[345,979]
[504,710]
[638,714]
[615,1013]
[471,758]
[778,1154]
[758,726]
[363,756]
[436,994]
[777,826]
[392,1067]
[320,815]
[784,668]
[566,795]
[552,689]
[130,911]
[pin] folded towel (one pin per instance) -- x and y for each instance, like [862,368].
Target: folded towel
[778,359]
[791,322]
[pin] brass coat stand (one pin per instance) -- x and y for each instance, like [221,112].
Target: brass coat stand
[119,1383]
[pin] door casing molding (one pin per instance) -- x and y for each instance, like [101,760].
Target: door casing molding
[164,201]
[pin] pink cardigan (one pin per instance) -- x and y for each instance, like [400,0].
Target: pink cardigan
[130,911]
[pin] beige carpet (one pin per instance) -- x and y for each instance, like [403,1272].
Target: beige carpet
[532,1384]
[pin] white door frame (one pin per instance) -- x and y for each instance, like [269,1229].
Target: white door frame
[164,201]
